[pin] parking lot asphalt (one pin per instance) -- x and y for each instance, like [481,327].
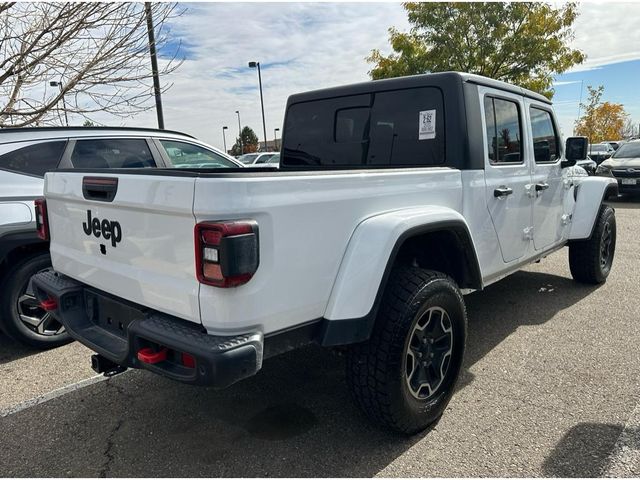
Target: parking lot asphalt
[549,388]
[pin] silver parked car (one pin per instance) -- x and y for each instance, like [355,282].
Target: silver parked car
[25,155]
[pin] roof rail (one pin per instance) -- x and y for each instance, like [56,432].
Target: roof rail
[52,129]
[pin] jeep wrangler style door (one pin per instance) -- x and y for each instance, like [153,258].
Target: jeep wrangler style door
[507,172]
[548,183]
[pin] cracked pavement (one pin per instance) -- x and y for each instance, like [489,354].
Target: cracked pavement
[549,388]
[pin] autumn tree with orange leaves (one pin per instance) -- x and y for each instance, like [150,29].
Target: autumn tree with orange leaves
[601,120]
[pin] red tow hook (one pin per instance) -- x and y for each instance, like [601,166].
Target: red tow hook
[49,304]
[147,355]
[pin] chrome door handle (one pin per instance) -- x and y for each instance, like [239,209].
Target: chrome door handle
[541,186]
[502,191]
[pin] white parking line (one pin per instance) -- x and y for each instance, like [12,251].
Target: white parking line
[51,395]
[625,458]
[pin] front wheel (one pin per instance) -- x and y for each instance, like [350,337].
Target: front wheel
[590,260]
[404,376]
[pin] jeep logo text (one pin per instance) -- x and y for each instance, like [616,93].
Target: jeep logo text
[108,229]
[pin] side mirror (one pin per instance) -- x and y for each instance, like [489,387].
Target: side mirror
[575,149]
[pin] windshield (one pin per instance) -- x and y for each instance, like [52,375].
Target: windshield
[628,150]
[188,155]
[248,158]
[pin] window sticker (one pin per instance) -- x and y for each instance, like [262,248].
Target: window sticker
[427,127]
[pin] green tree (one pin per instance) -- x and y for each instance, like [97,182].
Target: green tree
[521,43]
[88,123]
[601,120]
[249,142]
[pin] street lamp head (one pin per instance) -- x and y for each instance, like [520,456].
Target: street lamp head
[238,112]
[253,64]
[277,130]
[225,128]
[55,84]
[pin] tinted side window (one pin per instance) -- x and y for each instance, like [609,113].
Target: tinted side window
[112,153]
[34,159]
[394,128]
[545,140]
[504,135]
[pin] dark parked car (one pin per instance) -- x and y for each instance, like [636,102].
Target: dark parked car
[624,166]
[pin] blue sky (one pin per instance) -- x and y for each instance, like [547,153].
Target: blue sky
[304,46]
[621,86]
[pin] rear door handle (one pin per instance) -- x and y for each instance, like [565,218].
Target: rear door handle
[541,186]
[502,191]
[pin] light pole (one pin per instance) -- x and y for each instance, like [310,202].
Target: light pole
[264,124]
[275,137]
[240,133]
[224,139]
[64,104]
[154,64]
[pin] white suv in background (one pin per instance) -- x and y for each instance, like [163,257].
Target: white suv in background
[25,155]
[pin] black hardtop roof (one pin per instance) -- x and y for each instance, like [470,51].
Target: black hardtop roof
[429,79]
[96,127]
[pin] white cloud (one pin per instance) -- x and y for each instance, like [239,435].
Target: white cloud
[301,46]
[305,46]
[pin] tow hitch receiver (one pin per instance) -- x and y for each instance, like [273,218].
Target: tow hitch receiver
[101,364]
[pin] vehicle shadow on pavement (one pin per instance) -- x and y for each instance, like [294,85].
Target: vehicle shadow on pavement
[524,298]
[294,418]
[584,451]
[11,350]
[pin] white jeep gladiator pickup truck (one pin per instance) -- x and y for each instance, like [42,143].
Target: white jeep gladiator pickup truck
[393,199]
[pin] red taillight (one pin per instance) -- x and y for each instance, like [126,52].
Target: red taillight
[42,222]
[226,252]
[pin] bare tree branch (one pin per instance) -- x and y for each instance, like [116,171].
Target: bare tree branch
[98,52]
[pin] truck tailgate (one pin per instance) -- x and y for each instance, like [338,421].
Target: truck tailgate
[138,246]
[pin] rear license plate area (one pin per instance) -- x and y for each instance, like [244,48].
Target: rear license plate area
[109,314]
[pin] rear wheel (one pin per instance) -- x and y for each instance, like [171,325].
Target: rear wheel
[404,376]
[590,260]
[21,317]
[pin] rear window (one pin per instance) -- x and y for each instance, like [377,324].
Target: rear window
[35,159]
[112,153]
[396,128]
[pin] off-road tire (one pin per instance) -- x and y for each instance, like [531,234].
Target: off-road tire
[590,260]
[376,368]
[12,287]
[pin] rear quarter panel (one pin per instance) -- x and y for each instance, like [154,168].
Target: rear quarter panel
[305,224]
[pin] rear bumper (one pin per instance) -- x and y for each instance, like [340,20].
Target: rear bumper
[118,330]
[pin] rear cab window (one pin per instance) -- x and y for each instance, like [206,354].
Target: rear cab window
[35,159]
[398,128]
[112,153]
